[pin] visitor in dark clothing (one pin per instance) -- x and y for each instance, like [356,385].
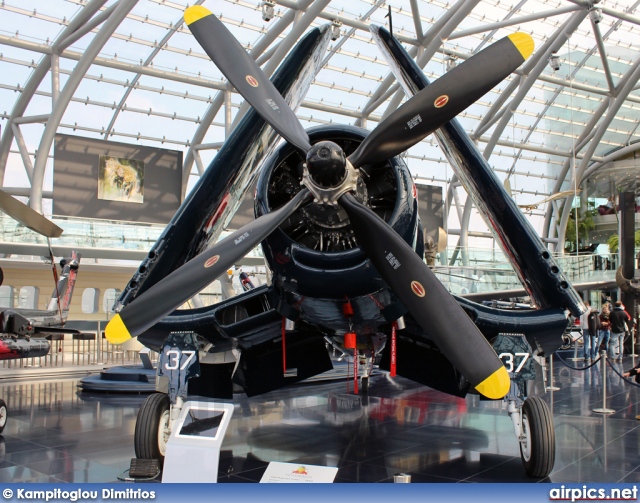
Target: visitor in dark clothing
[619,319]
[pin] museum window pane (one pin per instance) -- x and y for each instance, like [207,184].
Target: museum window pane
[28,298]
[6,296]
[90,300]
[110,297]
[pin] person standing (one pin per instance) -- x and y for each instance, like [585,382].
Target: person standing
[605,329]
[584,325]
[619,319]
[591,336]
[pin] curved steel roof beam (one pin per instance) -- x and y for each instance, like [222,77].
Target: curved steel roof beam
[259,48]
[613,156]
[511,21]
[458,15]
[36,78]
[389,86]
[299,27]
[631,78]
[353,23]
[531,78]
[496,111]
[453,183]
[588,131]
[361,121]
[417,22]
[603,53]
[62,43]
[147,62]
[348,35]
[92,50]
[507,21]
[460,11]
[550,228]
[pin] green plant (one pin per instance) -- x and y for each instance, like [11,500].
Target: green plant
[585,224]
[614,242]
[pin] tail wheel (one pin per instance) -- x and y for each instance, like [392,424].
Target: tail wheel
[3,414]
[538,440]
[152,427]
[364,385]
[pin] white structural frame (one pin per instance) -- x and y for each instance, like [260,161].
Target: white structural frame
[100,19]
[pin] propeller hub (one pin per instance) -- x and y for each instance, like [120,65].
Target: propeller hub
[327,164]
[328,174]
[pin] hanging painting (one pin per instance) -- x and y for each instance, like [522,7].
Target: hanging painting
[121,179]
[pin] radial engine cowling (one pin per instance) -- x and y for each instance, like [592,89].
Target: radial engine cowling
[314,253]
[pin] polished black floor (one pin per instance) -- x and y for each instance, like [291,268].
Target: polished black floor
[56,433]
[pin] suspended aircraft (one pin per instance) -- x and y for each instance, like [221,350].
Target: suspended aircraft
[18,326]
[24,332]
[336,215]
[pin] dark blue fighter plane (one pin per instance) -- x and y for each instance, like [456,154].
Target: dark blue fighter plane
[336,214]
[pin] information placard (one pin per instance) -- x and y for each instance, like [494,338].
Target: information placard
[292,473]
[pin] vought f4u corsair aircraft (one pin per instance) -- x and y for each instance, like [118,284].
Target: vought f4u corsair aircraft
[336,215]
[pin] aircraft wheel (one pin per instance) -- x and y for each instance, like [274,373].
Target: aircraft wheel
[538,441]
[3,414]
[152,427]
[364,384]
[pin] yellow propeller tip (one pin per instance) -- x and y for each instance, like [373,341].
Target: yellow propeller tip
[523,42]
[495,386]
[192,14]
[116,332]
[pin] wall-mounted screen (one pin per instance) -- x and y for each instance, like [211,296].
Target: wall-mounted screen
[94,178]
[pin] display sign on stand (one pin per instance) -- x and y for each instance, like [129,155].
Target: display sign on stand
[193,449]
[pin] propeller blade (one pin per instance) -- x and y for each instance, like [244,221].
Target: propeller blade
[441,101]
[28,217]
[183,283]
[245,75]
[430,304]
[442,240]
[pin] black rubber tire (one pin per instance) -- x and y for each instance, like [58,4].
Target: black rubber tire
[146,441]
[542,437]
[364,384]
[3,414]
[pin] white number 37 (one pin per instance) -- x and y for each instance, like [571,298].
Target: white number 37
[509,358]
[174,356]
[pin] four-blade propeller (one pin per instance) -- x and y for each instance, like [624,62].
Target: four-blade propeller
[433,308]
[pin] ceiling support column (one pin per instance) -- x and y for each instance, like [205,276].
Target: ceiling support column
[119,14]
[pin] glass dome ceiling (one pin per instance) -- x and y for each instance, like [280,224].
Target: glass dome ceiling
[130,71]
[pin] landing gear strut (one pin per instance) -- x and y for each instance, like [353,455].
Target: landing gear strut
[531,417]
[533,426]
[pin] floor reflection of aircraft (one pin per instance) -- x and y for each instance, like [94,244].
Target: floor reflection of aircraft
[386,434]
[337,218]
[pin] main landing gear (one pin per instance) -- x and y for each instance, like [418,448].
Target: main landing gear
[531,417]
[534,430]
[3,414]
[153,427]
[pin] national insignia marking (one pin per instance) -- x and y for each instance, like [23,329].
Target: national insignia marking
[441,101]
[417,288]
[211,261]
